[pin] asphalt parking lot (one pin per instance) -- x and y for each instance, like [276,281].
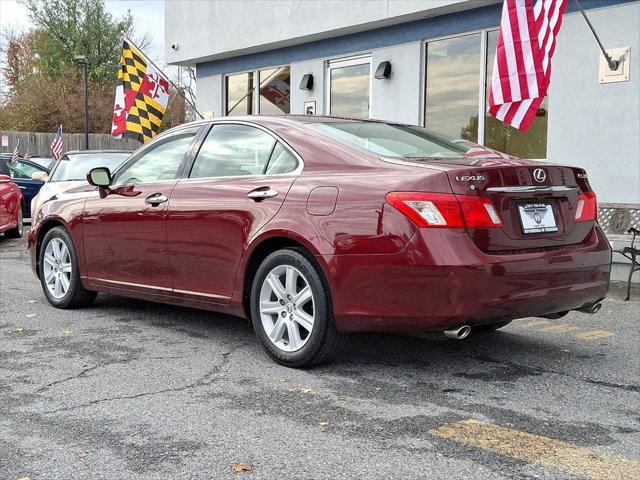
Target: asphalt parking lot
[130,389]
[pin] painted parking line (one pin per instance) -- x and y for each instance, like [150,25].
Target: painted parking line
[594,335]
[560,328]
[544,451]
[549,327]
[525,323]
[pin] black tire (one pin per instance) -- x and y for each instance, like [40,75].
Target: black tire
[76,296]
[490,327]
[16,232]
[324,341]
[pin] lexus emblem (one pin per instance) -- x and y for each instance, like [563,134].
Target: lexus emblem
[539,175]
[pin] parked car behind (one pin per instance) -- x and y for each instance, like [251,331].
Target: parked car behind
[10,208]
[316,226]
[21,173]
[46,162]
[71,170]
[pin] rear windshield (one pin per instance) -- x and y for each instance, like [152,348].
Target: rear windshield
[77,166]
[391,140]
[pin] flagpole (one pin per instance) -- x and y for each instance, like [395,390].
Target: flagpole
[170,81]
[613,64]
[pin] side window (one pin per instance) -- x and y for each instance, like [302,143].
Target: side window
[282,161]
[233,150]
[15,173]
[22,170]
[161,162]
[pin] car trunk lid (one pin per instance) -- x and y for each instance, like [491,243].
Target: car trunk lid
[536,201]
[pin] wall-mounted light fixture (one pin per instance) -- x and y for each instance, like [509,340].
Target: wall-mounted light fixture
[307,82]
[383,71]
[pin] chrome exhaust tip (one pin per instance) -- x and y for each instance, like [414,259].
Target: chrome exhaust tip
[458,332]
[591,309]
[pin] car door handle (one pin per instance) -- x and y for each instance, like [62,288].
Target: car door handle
[259,195]
[156,199]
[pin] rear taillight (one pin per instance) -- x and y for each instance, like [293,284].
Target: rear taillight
[445,210]
[587,207]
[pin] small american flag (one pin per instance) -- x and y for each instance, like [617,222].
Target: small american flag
[56,145]
[522,66]
[16,152]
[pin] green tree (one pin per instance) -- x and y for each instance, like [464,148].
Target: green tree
[42,85]
[77,27]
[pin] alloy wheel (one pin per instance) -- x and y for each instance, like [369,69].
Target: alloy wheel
[57,268]
[287,308]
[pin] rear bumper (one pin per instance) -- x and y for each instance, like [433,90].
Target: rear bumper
[441,279]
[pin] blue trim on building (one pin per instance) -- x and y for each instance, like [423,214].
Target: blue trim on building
[417,30]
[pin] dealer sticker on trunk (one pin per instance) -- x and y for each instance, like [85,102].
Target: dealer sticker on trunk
[537,218]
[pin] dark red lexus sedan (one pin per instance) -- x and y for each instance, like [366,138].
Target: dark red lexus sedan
[317,226]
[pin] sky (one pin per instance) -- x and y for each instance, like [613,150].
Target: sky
[148,17]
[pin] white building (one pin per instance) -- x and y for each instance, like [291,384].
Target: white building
[441,55]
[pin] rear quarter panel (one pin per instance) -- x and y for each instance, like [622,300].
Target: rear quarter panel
[361,223]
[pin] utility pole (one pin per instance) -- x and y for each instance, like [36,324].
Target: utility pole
[82,60]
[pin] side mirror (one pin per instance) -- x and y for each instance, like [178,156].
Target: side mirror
[5,178]
[40,176]
[99,177]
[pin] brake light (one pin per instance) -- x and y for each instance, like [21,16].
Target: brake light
[445,210]
[587,207]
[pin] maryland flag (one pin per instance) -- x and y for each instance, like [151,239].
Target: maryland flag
[142,95]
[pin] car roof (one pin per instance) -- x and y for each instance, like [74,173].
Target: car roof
[291,118]
[90,152]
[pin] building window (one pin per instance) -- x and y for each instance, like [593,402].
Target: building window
[239,90]
[499,135]
[349,87]
[275,91]
[453,71]
[458,74]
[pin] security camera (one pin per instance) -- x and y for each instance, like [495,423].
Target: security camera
[174,46]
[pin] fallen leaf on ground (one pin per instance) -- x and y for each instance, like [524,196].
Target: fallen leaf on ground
[324,424]
[305,390]
[24,478]
[30,315]
[68,332]
[241,467]
[33,301]
[565,350]
[19,329]
[83,454]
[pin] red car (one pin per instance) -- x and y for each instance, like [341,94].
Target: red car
[10,208]
[316,226]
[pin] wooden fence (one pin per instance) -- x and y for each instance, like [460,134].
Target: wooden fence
[40,143]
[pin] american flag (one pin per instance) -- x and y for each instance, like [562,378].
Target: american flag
[56,145]
[522,66]
[16,152]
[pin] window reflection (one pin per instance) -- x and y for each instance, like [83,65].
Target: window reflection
[239,90]
[275,89]
[161,162]
[500,136]
[350,91]
[453,72]
[232,151]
